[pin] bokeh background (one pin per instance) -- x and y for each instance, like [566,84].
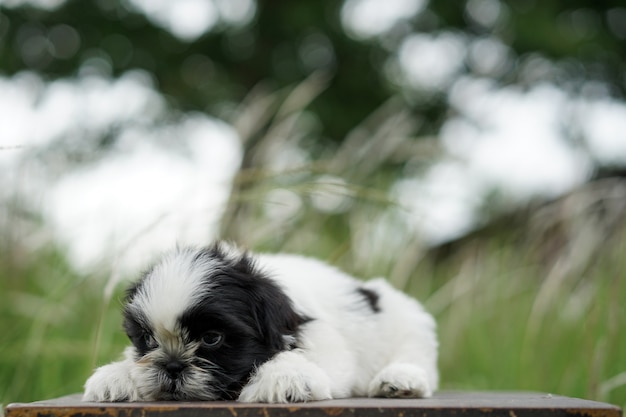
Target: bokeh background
[473,152]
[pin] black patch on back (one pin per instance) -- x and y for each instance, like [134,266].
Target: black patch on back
[371,297]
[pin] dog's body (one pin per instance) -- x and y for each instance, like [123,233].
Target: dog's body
[217,323]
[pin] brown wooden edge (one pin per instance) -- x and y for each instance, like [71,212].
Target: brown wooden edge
[444,404]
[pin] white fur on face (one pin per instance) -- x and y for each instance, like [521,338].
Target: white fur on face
[177,282]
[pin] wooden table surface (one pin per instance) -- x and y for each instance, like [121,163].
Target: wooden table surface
[443,404]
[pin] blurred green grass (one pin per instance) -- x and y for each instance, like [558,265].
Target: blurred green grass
[502,325]
[50,319]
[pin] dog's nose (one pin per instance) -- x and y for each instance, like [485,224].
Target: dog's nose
[174,368]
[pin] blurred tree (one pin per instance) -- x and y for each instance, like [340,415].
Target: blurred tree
[287,41]
[578,46]
[218,68]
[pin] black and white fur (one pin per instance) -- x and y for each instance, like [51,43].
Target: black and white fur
[218,323]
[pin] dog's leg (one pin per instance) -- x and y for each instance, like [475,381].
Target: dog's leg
[403,380]
[288,377]
[411,371]
[409,332]
[113,382]
[322,367]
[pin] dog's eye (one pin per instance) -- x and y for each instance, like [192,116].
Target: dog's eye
[150,341]
[212,340]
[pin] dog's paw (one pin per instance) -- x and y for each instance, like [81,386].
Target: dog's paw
[401,380]
[287,378]
[111,383]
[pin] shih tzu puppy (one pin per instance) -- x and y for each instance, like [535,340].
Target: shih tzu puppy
[218,323]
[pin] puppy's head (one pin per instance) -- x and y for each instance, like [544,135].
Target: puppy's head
[201,320]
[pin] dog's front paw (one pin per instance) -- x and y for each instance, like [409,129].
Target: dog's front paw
[401,380]
[111,383]
[287,378]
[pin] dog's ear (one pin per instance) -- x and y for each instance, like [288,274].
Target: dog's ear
[275,318]
[272,312]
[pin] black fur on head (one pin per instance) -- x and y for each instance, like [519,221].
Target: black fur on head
[240,319]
